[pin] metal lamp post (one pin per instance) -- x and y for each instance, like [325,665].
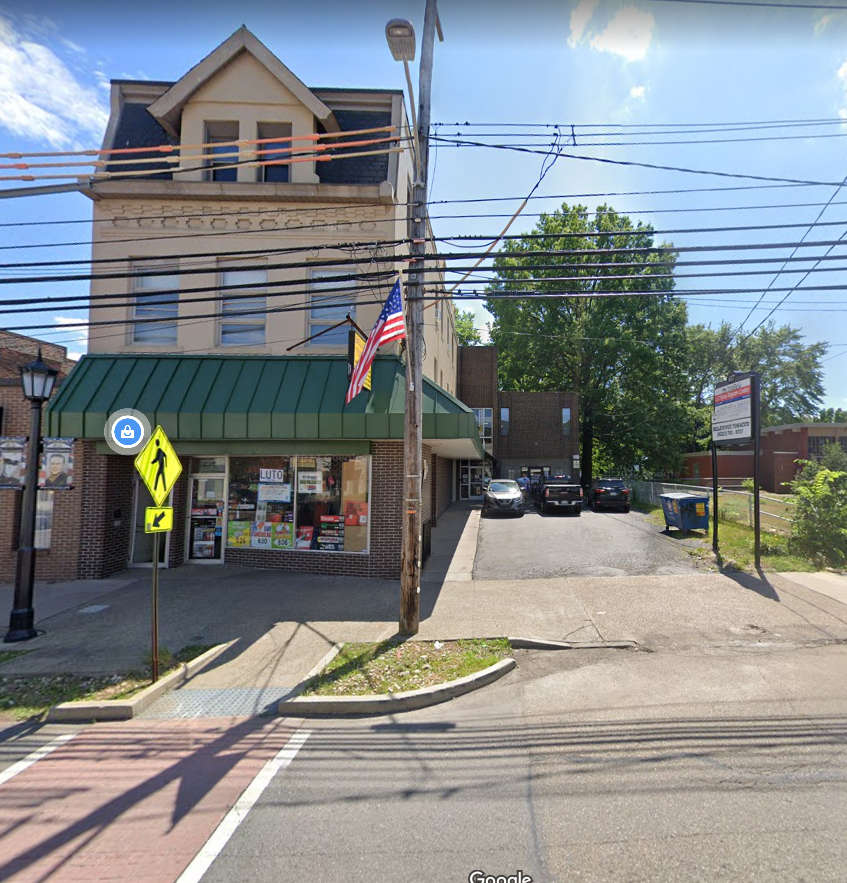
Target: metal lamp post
[37,380]
[401,41]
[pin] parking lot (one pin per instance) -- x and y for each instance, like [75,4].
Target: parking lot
[606,543]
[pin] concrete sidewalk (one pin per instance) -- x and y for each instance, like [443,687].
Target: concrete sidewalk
[284,623]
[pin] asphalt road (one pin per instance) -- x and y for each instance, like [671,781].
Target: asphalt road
[605,543]
[580,765]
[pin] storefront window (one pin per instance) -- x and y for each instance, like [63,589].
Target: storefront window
[317,503]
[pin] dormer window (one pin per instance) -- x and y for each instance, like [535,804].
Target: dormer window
[274,150]
[222,163]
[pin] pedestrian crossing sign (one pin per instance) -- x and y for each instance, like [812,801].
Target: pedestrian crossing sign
[159,466]
[158,519]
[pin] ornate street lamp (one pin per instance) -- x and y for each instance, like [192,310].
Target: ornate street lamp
[37,380]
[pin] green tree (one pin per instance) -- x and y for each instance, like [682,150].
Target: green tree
[623,354]
[819,522]
[466,333]
[831,415]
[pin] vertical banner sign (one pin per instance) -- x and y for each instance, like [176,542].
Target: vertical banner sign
[732,415]
[355,347]
[57,464]
[12,462]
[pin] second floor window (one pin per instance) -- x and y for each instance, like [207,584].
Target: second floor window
[566,421]
[504,421]
[243,308]
[485,424]
[275,150]
[222,156]
[156,303]
[332,298]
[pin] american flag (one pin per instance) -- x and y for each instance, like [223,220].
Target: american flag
[389,326]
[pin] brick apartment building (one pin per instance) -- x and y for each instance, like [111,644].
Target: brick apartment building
[522,433]
[782,446]
[277,471]
[57,511]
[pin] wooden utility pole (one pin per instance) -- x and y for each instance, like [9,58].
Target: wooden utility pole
[410,562]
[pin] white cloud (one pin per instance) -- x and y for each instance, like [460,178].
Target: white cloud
[842,76]
[76,337]
[40,98]
[579,20]
[628,35]
[637,92]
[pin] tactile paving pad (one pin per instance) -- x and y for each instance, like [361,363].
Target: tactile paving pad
[228,702]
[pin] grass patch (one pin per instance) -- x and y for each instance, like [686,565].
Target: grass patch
[392,667]
[735,542]
[7,655]
[28,697]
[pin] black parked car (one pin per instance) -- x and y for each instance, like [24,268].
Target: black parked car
[609,492]
[503,496]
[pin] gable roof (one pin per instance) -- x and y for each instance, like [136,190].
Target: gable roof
[168,107]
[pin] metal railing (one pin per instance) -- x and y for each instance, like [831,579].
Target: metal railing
[738,505]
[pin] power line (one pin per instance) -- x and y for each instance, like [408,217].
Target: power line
[812,6]
[642,165]
[671,128]
[663,143]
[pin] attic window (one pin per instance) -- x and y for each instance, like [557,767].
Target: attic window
[274,151]
[224,156]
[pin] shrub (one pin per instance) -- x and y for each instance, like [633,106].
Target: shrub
[819,527]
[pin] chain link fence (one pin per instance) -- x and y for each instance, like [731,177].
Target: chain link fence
[734,504]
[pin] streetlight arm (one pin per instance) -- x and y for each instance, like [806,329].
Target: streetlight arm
[414,120]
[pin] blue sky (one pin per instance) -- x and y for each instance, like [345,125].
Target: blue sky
[643,62]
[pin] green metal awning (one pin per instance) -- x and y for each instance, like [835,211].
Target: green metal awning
[255,399]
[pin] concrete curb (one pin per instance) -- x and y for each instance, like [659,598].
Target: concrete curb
[543,644]
[126,709]
[300,706]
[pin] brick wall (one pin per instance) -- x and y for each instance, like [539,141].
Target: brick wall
[443,470]
[60,561]
[180,502]
[386,505]
[106,516]
[477,382]
[535,427]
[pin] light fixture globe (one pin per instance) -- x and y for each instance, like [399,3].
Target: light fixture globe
[38,379]
[400,35]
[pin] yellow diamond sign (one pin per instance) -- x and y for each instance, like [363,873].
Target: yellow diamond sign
[158,466]
[158,519]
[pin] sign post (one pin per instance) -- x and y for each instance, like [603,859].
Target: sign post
[735,421]
[159,467]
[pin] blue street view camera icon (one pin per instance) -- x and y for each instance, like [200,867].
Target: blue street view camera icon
[127,431]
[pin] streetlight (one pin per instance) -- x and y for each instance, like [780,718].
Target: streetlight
[401,41]
[37,380]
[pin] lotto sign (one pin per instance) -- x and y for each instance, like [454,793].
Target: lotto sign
[260,536]
[732,416]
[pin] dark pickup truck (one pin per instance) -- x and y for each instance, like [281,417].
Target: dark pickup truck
[558,492]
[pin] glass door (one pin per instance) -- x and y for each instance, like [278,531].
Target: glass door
[470,480]
[206,518]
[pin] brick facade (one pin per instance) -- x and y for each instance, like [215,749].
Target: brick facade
[60,561]
[535,436]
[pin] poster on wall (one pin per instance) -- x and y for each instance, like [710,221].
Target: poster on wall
[309,481]
[283,536]
[275,492]
[57,464]
[260,534]
[238,533]
[355,513]
[13,462]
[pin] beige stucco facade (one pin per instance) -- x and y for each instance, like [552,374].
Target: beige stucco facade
[202,225]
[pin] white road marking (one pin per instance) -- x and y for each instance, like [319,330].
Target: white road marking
[30,759]
[221,835]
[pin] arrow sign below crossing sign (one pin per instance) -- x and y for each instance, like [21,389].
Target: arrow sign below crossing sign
[158,519]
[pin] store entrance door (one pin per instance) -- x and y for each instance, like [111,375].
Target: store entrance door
[206,519]
[470,480]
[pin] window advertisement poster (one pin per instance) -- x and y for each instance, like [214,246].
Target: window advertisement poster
[43,520]
[304,538]
[260,534]
[274,493]
[283,536]
[238,533]
[732,416]
[330,537]
[309,481]
[57,464]
[13,462]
